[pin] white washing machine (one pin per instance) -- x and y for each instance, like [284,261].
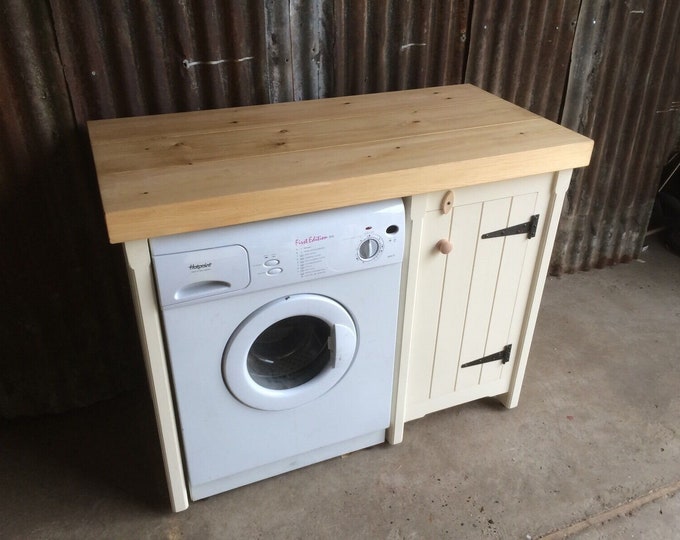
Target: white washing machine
[281,339]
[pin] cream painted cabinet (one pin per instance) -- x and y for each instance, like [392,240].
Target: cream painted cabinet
[167,174]
[476,268]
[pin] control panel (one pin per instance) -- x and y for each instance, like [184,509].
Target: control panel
[243,258]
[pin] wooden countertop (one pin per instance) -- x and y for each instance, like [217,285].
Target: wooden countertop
[182,172]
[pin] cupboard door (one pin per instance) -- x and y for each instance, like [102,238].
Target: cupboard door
[470,304]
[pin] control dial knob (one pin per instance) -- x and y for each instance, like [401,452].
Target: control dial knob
[369,249]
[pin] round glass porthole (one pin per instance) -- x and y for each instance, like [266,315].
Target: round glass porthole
[289,352]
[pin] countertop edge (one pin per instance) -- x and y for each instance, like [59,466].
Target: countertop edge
[233,209]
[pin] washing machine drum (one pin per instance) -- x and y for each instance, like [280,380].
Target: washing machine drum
[289,352]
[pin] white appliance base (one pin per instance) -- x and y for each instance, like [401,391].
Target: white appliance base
[286,465]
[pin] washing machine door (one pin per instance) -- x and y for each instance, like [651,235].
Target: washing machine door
[289,352]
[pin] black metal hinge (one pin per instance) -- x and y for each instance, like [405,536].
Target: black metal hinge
[529,228]
[503,356]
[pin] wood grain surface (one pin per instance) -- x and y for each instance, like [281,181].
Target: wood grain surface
[182,172]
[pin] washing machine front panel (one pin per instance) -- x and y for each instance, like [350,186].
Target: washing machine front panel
[227,443]
[351,257]
[289,352]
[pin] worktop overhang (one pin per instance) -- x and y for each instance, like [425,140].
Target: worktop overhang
[182,172]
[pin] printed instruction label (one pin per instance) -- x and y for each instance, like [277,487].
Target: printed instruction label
[311,260]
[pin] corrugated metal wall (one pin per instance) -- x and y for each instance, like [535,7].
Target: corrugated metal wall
[66,338]
[624,92]
[607,68]
[397,44]
[521,50]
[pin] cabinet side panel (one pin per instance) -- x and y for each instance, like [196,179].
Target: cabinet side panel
[552,197]
[522,303]
[148,322]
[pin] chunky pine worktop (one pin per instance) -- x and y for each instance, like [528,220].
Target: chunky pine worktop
[182,172]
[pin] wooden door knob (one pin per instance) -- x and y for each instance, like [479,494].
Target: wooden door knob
[444,246]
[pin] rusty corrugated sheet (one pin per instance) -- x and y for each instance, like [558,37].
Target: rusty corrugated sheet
[66,339]
[604,68]
[521,50]
[607,68]
[624,86]
[395,44]
[133,58]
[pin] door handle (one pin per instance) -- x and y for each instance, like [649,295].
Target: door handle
[201,289]
[444,246]
[341,344]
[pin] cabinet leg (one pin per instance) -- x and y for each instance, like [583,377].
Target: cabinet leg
[151,335]
[507,401]
[395,433]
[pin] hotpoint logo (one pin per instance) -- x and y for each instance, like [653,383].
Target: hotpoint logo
[201,266]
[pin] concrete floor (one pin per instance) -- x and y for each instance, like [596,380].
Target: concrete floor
[591,452]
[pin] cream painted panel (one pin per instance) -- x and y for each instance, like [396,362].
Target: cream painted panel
[501,190]
[509,275]
[149,324]
[464,233]
[552,194]
[426,307]
[482,290]
[489,292]
[522,301]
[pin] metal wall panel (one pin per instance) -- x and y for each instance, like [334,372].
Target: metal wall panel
[130,58]
[65,336]
[521,50]
[607,68]
[398,44]
[624,86]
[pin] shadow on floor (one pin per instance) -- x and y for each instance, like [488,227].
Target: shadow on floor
[63,454]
